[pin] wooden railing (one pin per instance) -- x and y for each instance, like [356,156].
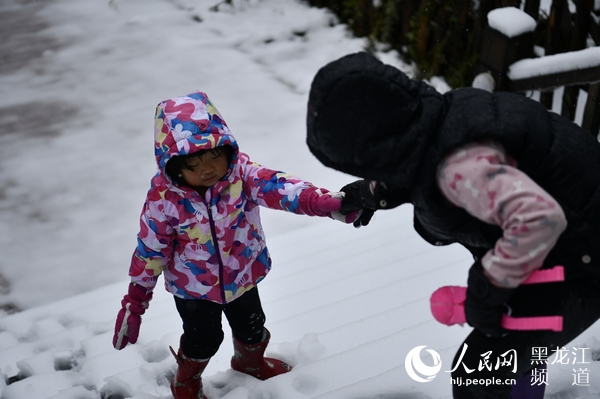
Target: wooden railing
[566,59]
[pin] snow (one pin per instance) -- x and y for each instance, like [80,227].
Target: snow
[556,63]
[97,89]
[510,21]
[484,81]
[344,306]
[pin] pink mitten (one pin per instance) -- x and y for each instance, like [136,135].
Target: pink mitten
[447,305]
[134,304]
[322,202]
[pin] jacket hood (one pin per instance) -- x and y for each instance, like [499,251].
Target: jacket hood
[370,120]
[187,124]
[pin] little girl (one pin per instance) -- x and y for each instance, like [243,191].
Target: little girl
[200,225]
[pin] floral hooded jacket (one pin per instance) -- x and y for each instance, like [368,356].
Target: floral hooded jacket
[210,248]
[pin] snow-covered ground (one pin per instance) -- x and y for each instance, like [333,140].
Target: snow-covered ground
[76,149]
[344,305]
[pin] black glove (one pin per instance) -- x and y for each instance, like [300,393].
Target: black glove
[358,196]
[369,196]
[364,218]
[485,303]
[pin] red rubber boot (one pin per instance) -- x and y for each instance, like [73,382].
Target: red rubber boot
[186,383]
[249,359]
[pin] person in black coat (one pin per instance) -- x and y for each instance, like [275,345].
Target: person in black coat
[370,120]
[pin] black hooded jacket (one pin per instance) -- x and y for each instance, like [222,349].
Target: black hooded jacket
[370,120]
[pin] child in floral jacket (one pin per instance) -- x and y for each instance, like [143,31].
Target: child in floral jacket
[200,227]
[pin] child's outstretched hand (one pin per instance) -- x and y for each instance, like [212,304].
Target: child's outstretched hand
[322,202]
[353,216]
[129,319]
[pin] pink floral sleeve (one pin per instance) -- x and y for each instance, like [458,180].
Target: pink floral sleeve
[483,180]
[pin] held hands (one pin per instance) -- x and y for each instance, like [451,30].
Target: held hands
[485,303]
[321,202]
[355,203]
[134,304]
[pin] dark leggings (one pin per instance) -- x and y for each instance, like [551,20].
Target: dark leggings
[202,330]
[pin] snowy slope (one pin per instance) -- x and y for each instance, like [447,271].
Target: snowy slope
[80,112]
[344,305]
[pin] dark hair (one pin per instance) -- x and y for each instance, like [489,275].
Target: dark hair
[179,162]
